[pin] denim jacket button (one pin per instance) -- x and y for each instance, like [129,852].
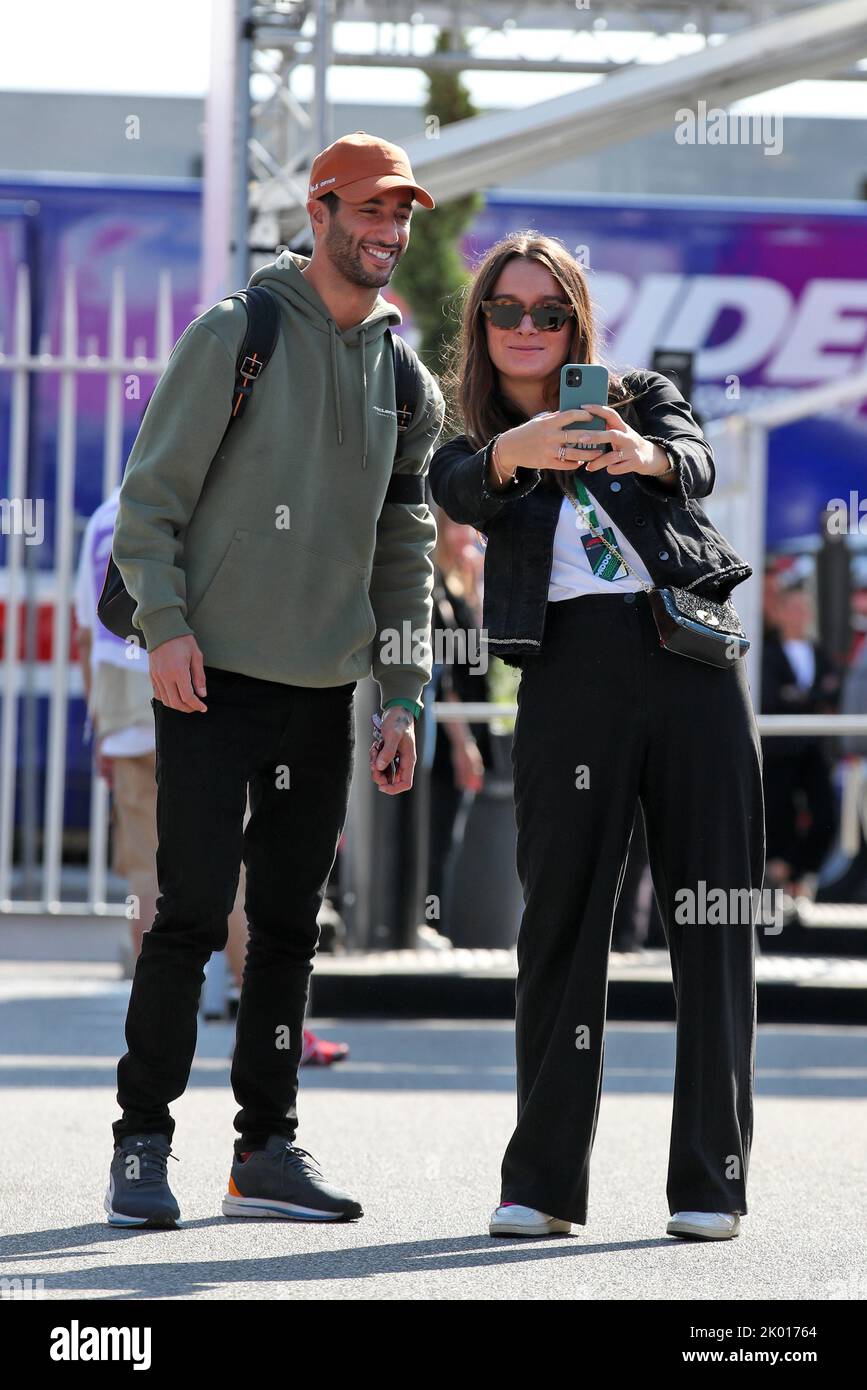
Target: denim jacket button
[640,520]
[663,555]
[615,486]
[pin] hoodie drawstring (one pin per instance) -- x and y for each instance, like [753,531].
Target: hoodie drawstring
[285,278]
[335,382]
[335,379]
[364,398]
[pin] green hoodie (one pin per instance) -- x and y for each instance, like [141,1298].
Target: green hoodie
[270,548]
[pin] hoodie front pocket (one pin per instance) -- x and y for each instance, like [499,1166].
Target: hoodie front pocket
[307,608]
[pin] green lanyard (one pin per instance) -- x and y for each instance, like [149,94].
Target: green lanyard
[589,513]
[587,503]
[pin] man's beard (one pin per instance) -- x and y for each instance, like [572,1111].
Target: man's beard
[346,257]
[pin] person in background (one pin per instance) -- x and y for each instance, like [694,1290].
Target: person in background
[850,885]
[797,678]
[858,609]
[770,597]
[462,751]
[118,692]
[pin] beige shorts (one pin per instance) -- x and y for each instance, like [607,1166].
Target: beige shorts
[134,814]
[134,817]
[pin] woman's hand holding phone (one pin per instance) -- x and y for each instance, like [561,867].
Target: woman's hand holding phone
[630,451]
[536,444]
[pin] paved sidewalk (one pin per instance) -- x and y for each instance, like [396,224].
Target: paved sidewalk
[415,1124]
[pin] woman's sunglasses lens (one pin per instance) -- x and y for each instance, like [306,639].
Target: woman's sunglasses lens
[505,315]
[546,317]
[549,318]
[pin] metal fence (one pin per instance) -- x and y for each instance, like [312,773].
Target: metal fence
[739,499]
[738,489]
[21,362]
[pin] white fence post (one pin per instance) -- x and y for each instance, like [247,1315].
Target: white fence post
[19,426]
[68,364]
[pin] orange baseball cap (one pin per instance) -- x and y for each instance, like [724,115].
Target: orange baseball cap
[357,166]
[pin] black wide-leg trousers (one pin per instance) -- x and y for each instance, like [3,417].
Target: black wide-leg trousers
[608,719]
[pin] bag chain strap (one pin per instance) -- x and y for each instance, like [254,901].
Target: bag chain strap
[648,588]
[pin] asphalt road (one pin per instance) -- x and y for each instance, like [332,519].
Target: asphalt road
[414,1125]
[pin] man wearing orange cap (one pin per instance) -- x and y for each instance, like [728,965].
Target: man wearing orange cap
[265,564]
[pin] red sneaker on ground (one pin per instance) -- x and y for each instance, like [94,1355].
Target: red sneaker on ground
[316,1052]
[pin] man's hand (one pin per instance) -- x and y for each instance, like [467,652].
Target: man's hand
[398,732]
[176,667]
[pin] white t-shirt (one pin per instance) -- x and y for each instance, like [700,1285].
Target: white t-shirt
[129,743]
[105,646]
[572,572]
[92,564]
[802,660]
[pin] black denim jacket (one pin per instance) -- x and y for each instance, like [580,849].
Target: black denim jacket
[677,541]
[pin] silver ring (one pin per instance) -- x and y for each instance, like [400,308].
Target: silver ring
[561,453]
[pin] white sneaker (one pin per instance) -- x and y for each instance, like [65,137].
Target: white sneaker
[707,1225]
[515,1220]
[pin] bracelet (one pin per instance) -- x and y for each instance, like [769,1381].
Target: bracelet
[412,705]
[500,479]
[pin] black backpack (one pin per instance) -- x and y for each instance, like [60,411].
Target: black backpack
[116,605]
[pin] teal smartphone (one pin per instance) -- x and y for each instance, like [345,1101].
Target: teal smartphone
[585,384]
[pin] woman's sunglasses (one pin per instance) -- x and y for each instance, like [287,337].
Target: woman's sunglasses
[549,318]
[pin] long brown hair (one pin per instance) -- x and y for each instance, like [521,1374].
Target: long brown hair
[475,404]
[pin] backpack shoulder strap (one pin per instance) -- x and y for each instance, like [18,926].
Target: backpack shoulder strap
[263,327]
[115,606]
[407,380]
[405,487]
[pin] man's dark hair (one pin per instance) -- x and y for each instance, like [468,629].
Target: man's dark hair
[332,202]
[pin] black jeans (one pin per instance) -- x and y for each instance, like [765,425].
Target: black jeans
[608,719]
[294,746]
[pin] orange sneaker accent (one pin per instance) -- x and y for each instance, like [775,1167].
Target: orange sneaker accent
[233,1191]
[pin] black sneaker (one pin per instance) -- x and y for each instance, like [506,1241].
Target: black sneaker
[138,1188]
[282,1180]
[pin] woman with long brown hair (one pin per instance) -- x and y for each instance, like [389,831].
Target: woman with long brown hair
[578,537]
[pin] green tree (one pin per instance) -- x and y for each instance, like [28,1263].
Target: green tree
[432,273]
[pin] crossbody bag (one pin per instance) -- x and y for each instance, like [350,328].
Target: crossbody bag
[687,624]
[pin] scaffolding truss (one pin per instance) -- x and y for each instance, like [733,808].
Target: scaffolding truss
[261,140]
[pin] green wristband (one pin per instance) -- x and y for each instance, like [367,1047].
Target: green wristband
[407,704]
